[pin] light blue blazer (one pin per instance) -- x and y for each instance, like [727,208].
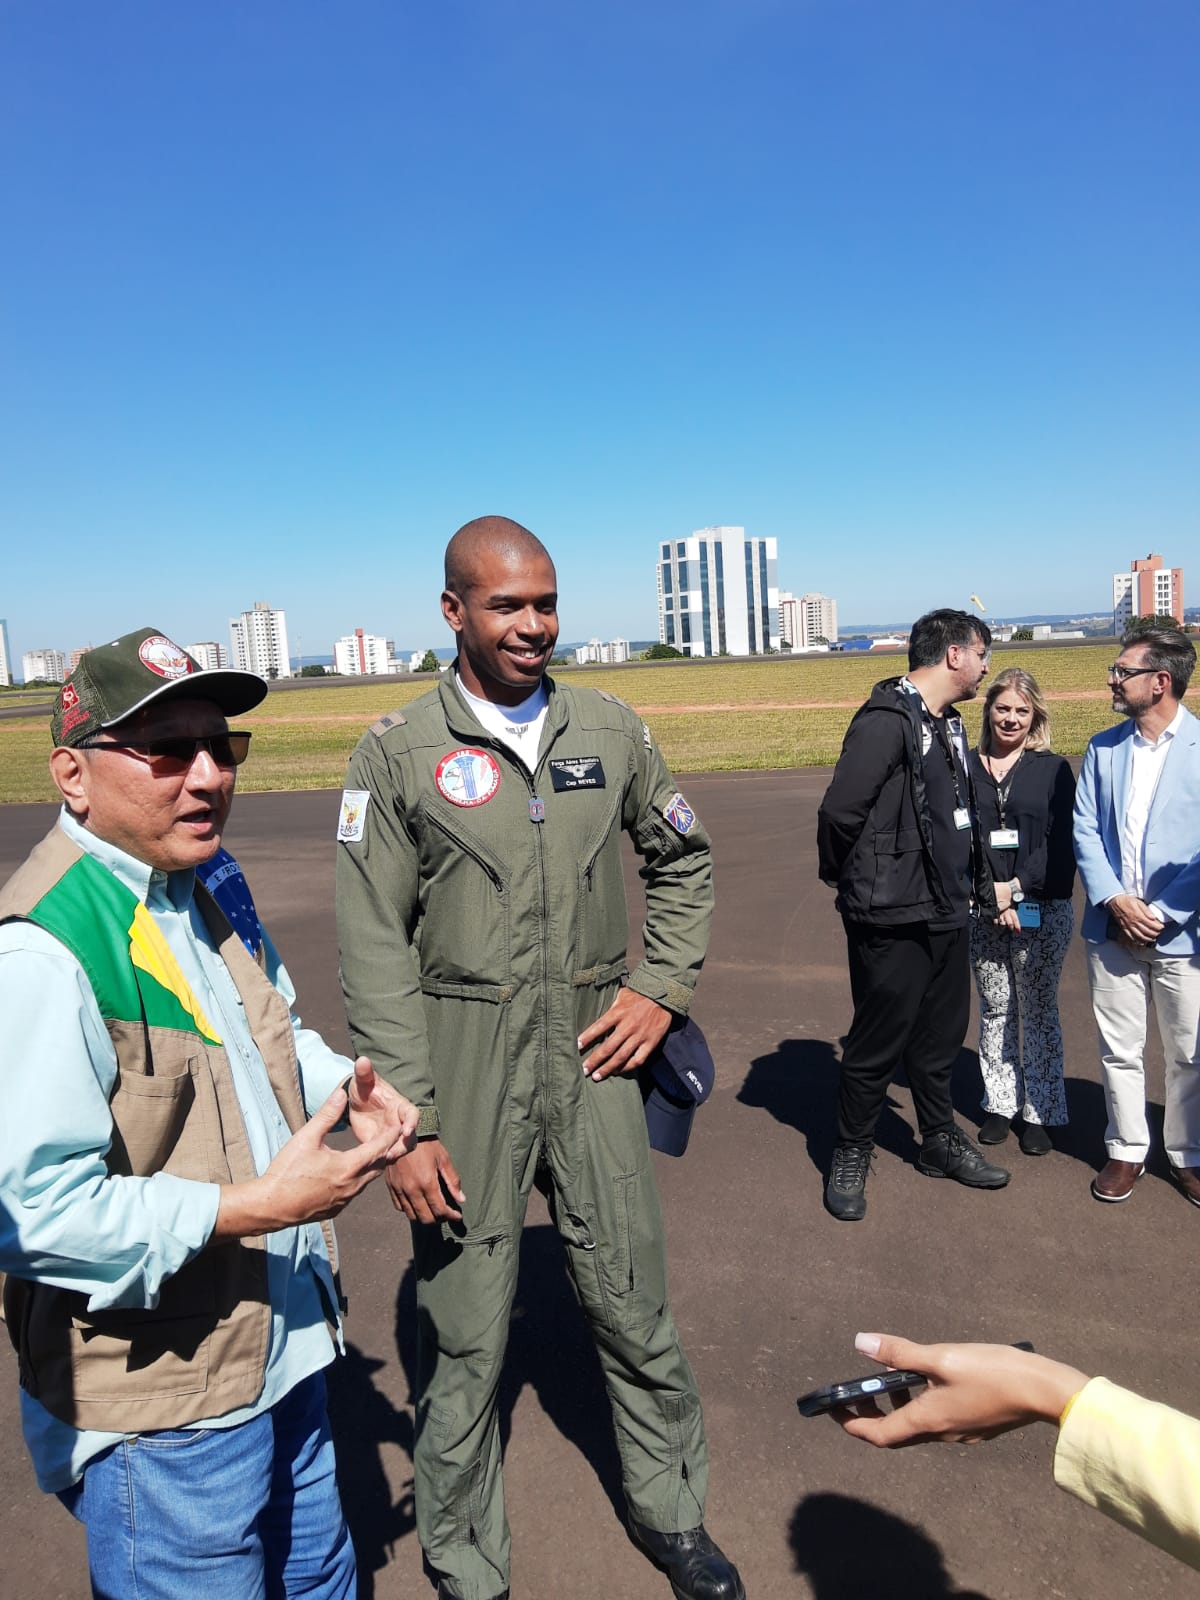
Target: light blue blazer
[1172,846]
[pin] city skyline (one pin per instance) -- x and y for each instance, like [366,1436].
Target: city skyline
[290,296]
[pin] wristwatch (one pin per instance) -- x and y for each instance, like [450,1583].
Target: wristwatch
[1016,891]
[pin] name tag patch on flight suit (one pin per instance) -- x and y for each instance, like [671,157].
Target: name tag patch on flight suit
[679,814]
[467,777]
[581,772]
[352,820]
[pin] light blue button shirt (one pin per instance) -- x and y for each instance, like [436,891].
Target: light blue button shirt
[65,1221]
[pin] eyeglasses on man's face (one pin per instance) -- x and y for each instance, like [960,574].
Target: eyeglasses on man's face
[170,758]
[1120,673]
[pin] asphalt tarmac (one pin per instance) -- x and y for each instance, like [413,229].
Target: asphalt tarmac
[767,1289]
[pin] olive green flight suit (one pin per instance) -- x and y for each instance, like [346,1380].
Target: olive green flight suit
[483,925]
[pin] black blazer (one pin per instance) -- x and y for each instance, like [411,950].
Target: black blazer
[1040,805]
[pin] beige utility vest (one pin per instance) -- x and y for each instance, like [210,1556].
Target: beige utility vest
[202,1351]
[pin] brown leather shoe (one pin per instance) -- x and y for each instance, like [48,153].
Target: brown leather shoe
[1187,1181]
[1116,1179]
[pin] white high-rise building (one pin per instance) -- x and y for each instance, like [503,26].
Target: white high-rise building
[609,654]
[213,657]
[807,620]
[718,593]
[367,655]
[49,665]
[260,642]
[5,657]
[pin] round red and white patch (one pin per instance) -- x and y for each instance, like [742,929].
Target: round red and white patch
[468,777]
[164,658]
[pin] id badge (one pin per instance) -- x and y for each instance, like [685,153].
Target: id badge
[1004,839]
[1029,914]
[962,818]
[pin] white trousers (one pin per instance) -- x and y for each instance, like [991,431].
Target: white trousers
[1124,983]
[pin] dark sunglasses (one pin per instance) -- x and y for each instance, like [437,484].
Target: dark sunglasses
[168,758]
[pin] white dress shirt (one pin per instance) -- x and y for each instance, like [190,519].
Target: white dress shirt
[1146,766]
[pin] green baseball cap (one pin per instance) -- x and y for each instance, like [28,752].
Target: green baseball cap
[114,680]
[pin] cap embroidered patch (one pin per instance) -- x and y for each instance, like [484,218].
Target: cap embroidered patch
[352,820]
[467,777]
[164,658]
[679,814]
[646,740]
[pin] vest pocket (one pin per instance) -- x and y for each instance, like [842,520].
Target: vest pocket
[149,1114]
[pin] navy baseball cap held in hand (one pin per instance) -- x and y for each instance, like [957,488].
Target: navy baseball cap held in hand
[677,1078]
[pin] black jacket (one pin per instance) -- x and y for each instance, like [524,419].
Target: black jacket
[1041,800]
[874,835]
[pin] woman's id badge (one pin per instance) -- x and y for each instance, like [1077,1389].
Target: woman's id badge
[962,818]
[1004,839]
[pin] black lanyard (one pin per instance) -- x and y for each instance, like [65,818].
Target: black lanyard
[1002,793]
[937,726]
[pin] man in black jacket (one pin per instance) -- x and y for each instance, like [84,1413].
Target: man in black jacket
[898,839]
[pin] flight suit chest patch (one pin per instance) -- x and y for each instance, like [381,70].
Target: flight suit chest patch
[468,777]
[577,772]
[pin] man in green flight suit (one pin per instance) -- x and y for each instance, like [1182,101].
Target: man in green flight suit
[483,928]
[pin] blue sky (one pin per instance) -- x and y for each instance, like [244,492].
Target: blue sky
[291,290]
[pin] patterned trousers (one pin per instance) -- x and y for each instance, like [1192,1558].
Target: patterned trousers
[1020,1037]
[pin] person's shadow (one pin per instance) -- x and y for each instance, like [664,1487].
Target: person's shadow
[797,1083]
[850,1550]
[363,1422]
[549,1348]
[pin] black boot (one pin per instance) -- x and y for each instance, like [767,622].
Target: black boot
[696,1567]
[846,1190]
[952,1155]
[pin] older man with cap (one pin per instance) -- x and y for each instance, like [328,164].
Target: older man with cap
[164,1199]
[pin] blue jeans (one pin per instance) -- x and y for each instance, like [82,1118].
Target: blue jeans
[251,1511]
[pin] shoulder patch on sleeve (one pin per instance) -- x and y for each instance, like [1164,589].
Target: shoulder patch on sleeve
[679,814]
[352,819]
[393,719]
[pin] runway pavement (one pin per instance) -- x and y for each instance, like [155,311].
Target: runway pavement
[768,1290]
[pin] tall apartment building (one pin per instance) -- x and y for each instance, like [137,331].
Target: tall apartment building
[49,665]
[260,642]
[213,657]
[1147,589]
[605,654]
[77,656]
[807,620]
[5,656]
[366,655]
[718,593]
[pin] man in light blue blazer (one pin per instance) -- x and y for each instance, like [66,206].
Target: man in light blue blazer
[1137,841]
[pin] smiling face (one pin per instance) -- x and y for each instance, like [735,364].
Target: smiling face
[169,822]
[506,622]
[1009,716]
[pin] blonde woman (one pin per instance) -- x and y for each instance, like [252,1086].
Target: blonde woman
[1025,795]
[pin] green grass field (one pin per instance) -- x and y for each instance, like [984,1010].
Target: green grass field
[707,717]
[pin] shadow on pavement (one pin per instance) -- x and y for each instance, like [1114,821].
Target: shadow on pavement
[362,1421]
[549,1348]
[849,1550]
[798,1084]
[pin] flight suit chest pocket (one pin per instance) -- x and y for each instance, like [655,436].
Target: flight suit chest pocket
[464,934]
[602,927]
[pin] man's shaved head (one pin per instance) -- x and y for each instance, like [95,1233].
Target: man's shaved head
[486,537]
